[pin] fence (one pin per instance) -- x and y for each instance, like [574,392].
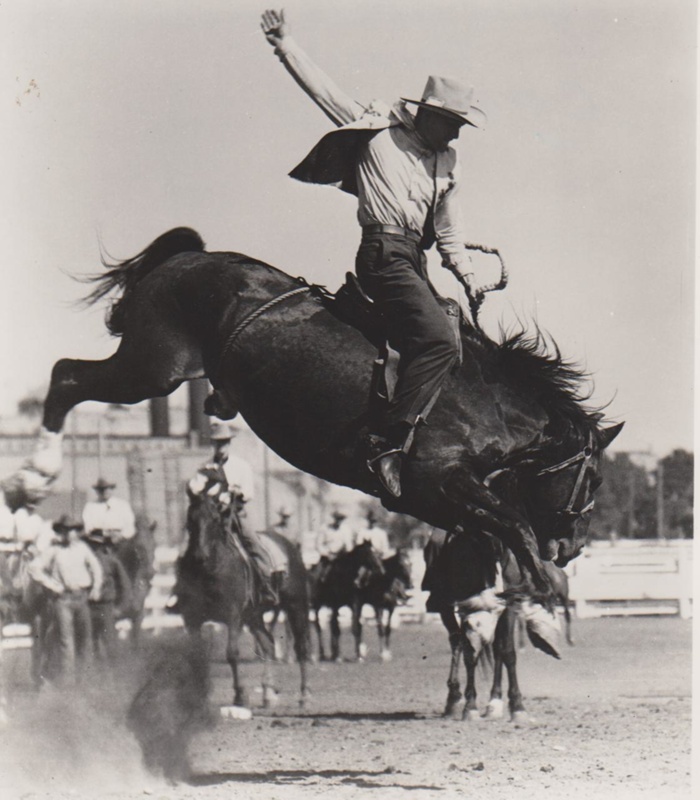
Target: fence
[632,577]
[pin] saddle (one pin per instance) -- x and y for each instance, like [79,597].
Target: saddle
[352,306]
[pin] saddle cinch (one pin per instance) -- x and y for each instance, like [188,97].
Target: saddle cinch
[351,305]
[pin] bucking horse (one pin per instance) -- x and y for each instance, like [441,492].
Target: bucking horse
[511,422]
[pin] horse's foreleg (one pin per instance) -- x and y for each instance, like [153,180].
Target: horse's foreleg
[454,695]
[335,636]
[298,621]
[504,646]
[471,711]
[482,508]
[383,632]
[319,636]
[360,646]
[567,622]
[266,648]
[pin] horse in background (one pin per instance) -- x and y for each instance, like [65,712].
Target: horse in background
[337,585]
[384,592]
[137,556]
[215,583]
[477,579]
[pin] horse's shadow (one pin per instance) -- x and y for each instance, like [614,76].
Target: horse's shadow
[365,779]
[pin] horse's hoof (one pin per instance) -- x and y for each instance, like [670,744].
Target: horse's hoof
[386,655]
[236,712]
[494,710]
[471,715]
[453,710]
[362,650]
[305,698]
[519,717]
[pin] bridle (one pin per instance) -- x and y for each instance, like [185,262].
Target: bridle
[584,458]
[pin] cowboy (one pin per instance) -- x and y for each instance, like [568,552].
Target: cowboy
[239,490]
[406,178]
[115,594]
[72,574]
[333,539]
[283,517]
[111,515]
[375,535]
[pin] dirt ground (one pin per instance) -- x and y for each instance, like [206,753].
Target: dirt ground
[611,720]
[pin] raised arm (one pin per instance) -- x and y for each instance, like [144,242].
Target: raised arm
[338,106]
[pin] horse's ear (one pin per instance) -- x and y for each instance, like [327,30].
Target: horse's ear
[608,434]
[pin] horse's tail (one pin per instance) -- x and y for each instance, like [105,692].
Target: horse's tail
[124,275]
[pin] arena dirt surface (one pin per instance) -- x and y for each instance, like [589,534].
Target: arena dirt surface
[611,720]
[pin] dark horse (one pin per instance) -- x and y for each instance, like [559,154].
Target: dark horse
[386,591]
[215,584]
[462,576]
[337,586]
[136,555]
[275,350]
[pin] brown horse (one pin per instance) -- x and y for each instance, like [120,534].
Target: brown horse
[276,351]
[215,583]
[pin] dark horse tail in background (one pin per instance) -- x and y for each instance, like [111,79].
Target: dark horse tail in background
[509,423]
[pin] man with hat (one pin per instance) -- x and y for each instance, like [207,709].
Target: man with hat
[70,571]
[115,594]
[238,476]
[111,515]
[333,539]
[406,178]
[375,535]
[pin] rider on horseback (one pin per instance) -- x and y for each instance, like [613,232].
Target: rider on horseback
[406,178]
[238,479]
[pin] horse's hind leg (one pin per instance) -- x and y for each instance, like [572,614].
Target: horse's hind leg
[148,363]
[266,648]
[298,621]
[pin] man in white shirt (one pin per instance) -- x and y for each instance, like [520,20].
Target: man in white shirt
[111,515]
[240,484]
[375,535]
[406,178]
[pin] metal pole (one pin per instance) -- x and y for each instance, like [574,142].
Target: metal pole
[74,464]
[660,521]
[100,444]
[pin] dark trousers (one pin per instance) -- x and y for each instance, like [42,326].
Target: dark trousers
[72,617]
[104,631]
[254,548]
[392,271]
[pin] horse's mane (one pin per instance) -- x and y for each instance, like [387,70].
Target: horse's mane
[535,363]
[124,275]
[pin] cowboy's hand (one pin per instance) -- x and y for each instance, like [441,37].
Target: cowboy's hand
[274,26]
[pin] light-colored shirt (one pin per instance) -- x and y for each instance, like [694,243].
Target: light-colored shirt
[69,568]
[30,527]
[239,477]
[331,541]
[377,537]
[114,517]
[396,172]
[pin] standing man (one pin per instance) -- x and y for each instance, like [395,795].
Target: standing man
[115,594]
[72,574]
[238,476]
[111,515]
[406,178]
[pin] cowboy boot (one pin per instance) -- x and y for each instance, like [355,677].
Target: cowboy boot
[385,463]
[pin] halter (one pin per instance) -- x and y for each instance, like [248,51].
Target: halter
[584,458]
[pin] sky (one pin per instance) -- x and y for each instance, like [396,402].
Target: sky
[122,119]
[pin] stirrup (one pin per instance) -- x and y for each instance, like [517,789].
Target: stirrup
[372,461]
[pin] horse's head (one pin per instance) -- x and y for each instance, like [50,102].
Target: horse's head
[559,496]
[208,521]
[366,556]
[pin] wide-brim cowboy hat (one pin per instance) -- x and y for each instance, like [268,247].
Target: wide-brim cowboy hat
[103,483]
[67,523]
[451,98]
[97,536]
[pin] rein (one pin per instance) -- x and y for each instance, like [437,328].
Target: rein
[263,309]
[584,458]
